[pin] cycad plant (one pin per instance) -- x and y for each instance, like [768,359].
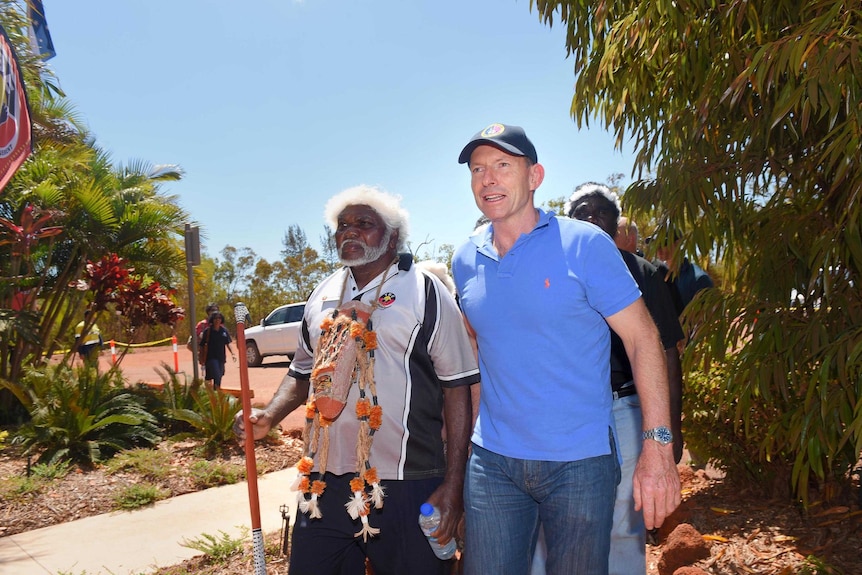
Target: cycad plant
[82,415]
[212,417]
[176,393]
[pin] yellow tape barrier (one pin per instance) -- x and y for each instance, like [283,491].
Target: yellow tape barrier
[107,344]
[145,344]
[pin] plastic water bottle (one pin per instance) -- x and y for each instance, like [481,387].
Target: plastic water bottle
[429,519]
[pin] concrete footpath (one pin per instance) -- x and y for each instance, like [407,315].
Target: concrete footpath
[135,542]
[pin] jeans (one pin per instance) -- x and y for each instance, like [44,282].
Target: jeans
[628,536]
[506,499]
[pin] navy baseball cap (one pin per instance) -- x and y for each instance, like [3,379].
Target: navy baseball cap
[510,139]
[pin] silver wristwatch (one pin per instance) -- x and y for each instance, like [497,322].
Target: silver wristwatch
[661,434]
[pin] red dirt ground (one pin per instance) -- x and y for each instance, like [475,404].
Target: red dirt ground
[146,363]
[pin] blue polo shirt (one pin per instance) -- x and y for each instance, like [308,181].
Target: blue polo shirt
[544,345]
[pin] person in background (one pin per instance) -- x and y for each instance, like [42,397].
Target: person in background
[597,204]
[216,339]
[205,322]
[627,236]
[89,344]
[200,327]
[386,445]
[690,278]
[534,287]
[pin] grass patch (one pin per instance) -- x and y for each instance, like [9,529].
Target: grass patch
[41,475]
[208,473]
[17,486]
[151,463]
[139,495]
[217,548]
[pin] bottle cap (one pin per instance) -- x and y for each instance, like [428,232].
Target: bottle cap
[426,509]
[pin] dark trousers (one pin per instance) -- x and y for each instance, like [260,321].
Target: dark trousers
[327,546]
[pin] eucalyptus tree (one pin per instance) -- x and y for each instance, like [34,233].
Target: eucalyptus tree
[233,273]
[266,288]
[747,114]
[303,266]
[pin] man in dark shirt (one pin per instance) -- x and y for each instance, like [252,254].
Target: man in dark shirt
[597,204]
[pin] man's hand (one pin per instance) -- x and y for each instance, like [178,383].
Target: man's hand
[449,500]
[656,483]
[261,423]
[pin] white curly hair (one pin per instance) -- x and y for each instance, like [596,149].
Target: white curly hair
[592,189]
[387,205]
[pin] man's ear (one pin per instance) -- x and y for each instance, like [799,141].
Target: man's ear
[393,240]
[537,175]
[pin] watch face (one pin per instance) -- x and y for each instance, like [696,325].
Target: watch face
[663,435]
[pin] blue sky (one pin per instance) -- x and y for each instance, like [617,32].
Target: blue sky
[273,106]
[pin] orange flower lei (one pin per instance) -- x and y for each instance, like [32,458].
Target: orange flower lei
[375,418]
[305,465]
[371,475]
[304,484]
[363,408]
[366,411]
[318,487]
[370,340]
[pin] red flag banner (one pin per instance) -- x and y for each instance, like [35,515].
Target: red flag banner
[15,129]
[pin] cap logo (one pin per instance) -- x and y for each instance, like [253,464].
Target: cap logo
[493,130]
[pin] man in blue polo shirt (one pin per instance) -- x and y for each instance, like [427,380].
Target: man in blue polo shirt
[538,293]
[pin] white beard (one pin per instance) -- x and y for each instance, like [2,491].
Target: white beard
[370,254]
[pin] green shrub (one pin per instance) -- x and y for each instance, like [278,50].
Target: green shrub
[211,417]
[217,549]
[139,495]
[211,473]
[82,415]
[793,440]
[792,383]
[714,435]
[151,463]
[50,471]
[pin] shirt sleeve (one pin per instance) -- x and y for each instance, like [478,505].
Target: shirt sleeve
[454,361]
[657,296]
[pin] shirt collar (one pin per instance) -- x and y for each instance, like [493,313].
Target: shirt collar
[483,235]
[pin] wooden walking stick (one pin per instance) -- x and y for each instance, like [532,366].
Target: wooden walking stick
[241,313]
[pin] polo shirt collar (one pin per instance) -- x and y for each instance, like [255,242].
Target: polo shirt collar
[482,236]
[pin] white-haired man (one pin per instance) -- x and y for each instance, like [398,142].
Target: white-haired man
[386,337]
